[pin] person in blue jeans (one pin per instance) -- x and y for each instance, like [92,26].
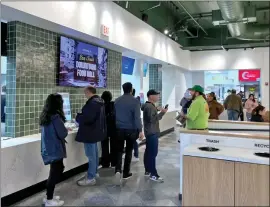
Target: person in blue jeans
[92,129]
[233,105]
[53,149]
[151,119]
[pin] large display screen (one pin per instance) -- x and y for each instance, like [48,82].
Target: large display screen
[82,64]
[127,65]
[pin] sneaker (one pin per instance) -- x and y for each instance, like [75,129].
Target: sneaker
[147,174]
[97,175]
[127,176]
[54,197]
[86,182]
[135,159]
[156,178]
[117,178]
[54,202]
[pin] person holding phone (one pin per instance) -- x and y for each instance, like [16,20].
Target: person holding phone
[151,119]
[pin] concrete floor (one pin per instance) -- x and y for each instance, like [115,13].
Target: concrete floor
[137,191]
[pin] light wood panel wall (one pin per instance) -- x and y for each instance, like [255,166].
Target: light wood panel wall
[251,184]
[207,182]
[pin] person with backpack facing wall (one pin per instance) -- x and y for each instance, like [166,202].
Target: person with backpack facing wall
[92,129]
[108,145]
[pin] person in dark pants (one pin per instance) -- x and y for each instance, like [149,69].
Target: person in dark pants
[151,119]
[108,146]
[3,104]
[128,125]
[53,149]
[92,129]
[136,145]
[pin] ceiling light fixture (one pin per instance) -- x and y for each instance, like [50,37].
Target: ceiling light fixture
[166,31]
[170,35]
[222,47]
[126,4]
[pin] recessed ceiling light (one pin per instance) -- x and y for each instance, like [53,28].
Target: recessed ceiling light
[170,35]
[166,31]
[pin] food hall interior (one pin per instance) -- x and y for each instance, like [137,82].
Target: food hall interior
[122,45]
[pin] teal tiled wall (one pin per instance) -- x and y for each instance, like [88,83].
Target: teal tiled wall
[33,58]
[155,80]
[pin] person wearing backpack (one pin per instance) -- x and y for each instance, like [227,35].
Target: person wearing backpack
[92,129]
[53,149]
[108,146]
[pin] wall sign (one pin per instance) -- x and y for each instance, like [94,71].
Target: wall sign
[105,30]
[249,75]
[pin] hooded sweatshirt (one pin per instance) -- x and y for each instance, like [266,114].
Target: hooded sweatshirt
[92,121]
[151,119]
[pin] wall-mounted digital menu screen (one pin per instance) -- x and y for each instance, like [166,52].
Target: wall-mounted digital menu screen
[82,64]
[127,65]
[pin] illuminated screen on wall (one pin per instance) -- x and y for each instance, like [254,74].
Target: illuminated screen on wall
[82,64]
[127,65]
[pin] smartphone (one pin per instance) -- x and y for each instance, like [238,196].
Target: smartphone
[166,106]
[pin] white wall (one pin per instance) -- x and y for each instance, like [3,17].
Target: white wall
[175,81]
[236,59]
[86,17]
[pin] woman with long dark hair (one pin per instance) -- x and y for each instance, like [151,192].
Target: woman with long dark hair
[257,114]
[53,149]
[250,104]
[108,155]
[215,108]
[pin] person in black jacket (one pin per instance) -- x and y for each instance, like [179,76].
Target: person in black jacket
[92,129]
[256,114]
[108,155]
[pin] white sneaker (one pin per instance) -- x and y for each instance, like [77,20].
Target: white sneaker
[135,159]
[54,202]
[86,182]
[54,197]
[157,179]
[117,178]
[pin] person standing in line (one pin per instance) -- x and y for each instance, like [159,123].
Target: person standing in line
[108,157]
[250,104]
[233,105]
[128,125]
[53,149]
[186,101]
[151,119]
[92,129]
[215,108]
[198,112]
[136,145]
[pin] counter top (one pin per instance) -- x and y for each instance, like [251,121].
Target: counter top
[240,122]
[225,134]
[24,140]
[228,153]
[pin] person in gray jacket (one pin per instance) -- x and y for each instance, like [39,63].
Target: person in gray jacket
[151,119]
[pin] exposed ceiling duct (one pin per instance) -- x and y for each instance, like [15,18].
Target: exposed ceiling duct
[233,12]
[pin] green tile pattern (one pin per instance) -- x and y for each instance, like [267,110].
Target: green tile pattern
[155,79]
[33,58]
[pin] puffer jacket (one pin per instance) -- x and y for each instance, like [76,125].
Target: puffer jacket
[92,121]
[53,140]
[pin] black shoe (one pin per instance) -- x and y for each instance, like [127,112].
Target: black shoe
[147,174]
[127,176]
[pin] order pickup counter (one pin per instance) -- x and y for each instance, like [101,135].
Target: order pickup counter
[22,165]
[224,169]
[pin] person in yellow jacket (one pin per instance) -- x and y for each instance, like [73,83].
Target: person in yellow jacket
[198,112]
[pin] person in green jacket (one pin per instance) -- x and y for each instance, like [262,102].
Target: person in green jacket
[198,112]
